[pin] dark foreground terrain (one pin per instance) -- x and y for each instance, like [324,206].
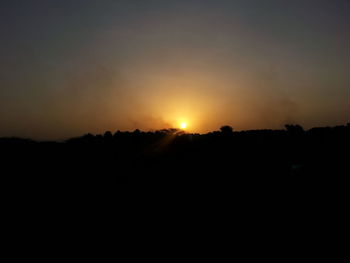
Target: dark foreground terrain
[269,156]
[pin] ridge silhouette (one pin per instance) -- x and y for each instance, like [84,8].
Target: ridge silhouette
[171,155]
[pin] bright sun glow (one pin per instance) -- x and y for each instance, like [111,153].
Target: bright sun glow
[183,125]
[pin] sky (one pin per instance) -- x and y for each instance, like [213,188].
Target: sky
[72,67]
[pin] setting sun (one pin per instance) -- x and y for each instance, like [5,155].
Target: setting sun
[183,125]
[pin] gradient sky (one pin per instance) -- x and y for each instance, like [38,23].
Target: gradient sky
[71,67]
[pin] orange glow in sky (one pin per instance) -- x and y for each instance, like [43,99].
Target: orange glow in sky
[152,65]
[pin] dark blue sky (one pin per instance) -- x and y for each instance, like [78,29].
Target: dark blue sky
[70,67]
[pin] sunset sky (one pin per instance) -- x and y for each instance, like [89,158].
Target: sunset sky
[72,67]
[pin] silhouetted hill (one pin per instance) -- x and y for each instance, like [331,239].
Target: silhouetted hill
[174,156]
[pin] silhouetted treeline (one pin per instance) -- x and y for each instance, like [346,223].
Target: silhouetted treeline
[172,155]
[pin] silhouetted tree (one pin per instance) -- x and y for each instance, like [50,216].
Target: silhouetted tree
[117,133]
[88,138]
[137,131]
[226,129]
[108,135]
[294,129]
